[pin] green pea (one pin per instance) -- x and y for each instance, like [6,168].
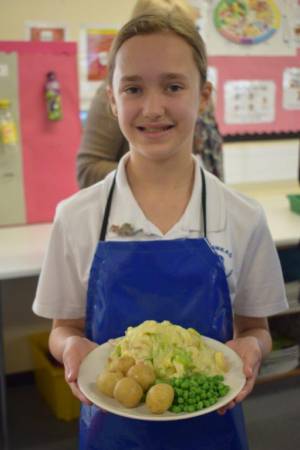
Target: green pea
[185,384]
[192,408]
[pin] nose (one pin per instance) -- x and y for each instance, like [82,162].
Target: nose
[153,106]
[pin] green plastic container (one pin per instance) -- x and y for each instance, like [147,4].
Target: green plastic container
[294,200]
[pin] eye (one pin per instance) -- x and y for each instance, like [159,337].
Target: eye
[132,90]
[174,87]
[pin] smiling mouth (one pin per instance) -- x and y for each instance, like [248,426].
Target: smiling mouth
[155,129]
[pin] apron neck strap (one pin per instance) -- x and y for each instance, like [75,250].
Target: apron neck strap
[109,202]
[107,210]
[203,198]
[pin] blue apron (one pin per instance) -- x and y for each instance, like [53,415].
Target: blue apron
[182,281]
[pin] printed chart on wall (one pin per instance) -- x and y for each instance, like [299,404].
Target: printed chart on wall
[252,27]
[258,85]
[95,42]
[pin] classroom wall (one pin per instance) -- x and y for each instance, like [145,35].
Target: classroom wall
[73,13]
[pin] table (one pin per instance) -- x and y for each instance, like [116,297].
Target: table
[283,223]
[22,249]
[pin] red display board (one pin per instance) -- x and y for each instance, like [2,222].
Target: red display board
[258,68]
[48,147]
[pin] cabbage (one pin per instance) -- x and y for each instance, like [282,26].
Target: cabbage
[172,350]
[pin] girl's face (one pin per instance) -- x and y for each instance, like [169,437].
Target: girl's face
[156,94]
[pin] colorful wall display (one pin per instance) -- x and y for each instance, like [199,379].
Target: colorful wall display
[254,63]
[95,42]
[247,22]
[257,94]
[44,164]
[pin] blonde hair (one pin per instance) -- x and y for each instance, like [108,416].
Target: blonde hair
[178,24]
[143,7]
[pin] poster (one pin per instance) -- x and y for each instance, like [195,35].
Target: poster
[296,26]
[12,195]
[291,88]
[251,27]
[249,101]
[95,42]
[98,42]
[46,32]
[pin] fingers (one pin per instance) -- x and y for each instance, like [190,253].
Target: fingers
[77,393]
[227,407]
[74,353]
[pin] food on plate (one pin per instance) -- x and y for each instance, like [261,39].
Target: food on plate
[197,392]
[171,350]
[107,380]
[159,398]
[142,373]
[221,362]
[168,366]
[123,364]
[128,392]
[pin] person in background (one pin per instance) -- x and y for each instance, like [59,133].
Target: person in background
[103,143]
[195,252]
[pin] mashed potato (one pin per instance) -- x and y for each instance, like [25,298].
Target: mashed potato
[171,350]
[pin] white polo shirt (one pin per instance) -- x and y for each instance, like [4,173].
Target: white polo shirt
[236,229]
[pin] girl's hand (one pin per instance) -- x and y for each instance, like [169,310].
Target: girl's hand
[75,350]
[249,350]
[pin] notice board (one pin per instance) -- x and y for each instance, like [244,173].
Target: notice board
[42,169]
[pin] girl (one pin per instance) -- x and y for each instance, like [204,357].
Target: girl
[174,243]
[103,143]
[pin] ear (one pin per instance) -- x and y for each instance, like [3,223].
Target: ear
[205,96]
[111,100]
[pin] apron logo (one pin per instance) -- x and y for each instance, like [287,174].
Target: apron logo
[126,229]
[226,257]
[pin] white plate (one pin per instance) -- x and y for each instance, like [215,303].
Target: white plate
[96,361]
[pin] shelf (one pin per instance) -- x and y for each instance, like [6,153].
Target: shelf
[281,376]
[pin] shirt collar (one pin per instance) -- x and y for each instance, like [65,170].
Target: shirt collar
[127,211]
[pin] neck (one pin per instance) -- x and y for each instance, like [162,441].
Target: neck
[161,188]
[175,173]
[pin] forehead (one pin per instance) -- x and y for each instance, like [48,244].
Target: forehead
[154,53]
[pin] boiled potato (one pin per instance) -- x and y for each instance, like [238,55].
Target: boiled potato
[123,364]
[106,382]
[159,398]
[128,392]
[143,374]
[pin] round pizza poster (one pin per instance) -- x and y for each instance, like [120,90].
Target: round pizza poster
[247,21]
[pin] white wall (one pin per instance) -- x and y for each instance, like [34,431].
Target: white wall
[261,161]
[73,13]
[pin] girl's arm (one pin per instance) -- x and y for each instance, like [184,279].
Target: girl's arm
[69,346]
[253,342]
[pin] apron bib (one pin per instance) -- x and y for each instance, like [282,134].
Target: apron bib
[182,281]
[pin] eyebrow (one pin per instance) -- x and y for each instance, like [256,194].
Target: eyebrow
[164,76]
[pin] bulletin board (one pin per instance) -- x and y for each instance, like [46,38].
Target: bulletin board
[253,50]
[42,168]
[257,94]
